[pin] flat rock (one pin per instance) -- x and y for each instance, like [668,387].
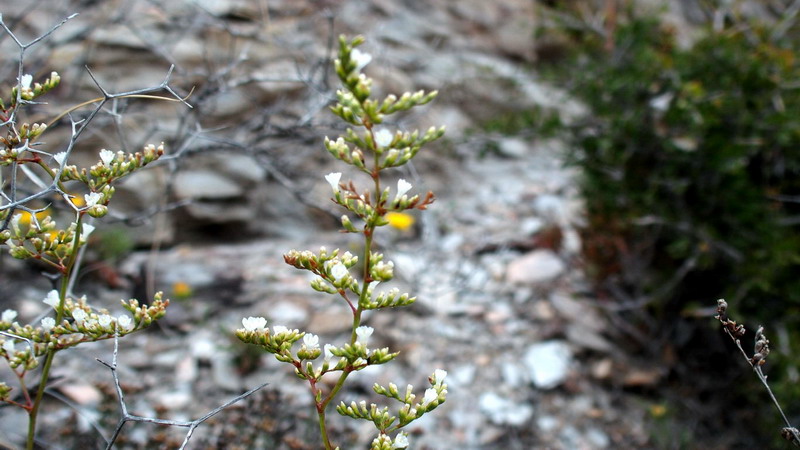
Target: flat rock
[548,363]
[205,184]
[538,266]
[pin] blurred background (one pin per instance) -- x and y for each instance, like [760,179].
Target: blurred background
[610,169]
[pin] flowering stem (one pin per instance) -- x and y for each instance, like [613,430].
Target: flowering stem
[51,353]
[368,232]
[48,362]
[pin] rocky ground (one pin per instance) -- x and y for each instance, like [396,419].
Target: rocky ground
[504,305]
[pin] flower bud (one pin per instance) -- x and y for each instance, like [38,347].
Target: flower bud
[20,252]
[382,271]
[348,225]
[357,158]
[98,211]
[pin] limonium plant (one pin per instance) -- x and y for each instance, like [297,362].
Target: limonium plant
[33,234]
[372,148]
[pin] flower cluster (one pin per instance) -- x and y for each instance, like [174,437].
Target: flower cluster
[15,144]
[99,177]
[23,344]
[32,233]
[43,240]
[28,90]
[370,147]
[279,340]
[411,410]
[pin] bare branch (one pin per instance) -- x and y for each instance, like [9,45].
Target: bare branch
[127,417]
[759,358]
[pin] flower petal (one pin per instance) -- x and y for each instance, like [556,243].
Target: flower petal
[333,179]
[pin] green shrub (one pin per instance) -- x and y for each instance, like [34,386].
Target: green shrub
[691,174]
[694,155]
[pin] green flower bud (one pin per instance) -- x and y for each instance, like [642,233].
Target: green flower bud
[348,225]
[97,211]
[20,252]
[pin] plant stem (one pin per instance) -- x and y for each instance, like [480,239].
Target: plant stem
[38,400]
[323,430]
[51,353]
[368,232]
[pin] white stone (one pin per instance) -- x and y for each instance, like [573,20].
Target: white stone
[286,313]
[513,147]
[538,266]
[205,184]
[502,411]
[83,394]
[513,375]
[462,375]
[597,437]
[531,225]
[548,363]
[203,347]
[176,399]
[224,373]
[551,208]
[546,423]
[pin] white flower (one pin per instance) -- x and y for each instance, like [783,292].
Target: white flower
[79,315]
[124,321]
[8,346]
[403,186]
[328,350]
[360,58]
[106,156]
[9,315]
[400,441]
[372,285]
[86,230]
[104,320]
[333,179]
[254,323]
[383,270]
[661,103]
[339,271]
[383,138]
[14,223]
[438,376]
[52,298]
[25,81]
[311,341]
[59,157]
[430,395]
[92,198]
[279,329]
[363,333]
[48,323]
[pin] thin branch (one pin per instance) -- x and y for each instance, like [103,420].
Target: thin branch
[127,417]
[759,358]
[80,410]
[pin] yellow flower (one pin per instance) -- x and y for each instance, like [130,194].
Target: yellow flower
[78,201]
[181,290]
[658,410]
[401,221]
[25,218]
